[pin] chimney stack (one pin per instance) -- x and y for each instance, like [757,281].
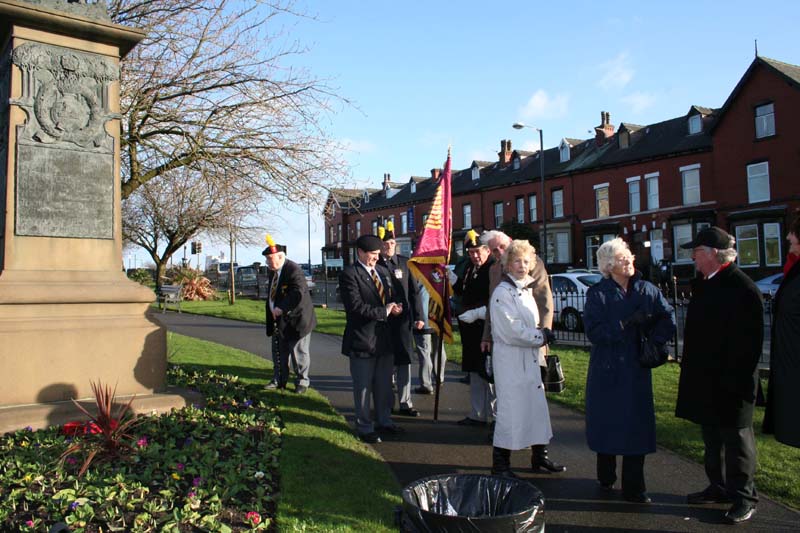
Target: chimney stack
[504,154]
[604,130]
[386,179]
[435,172]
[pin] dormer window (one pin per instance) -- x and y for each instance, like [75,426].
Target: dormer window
[517,163]
[413,187]
[563,151]
[366,197]
[476,173]
[695,124]
[624,138]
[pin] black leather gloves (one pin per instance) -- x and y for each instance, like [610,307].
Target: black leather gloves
[638,318]
[549,336]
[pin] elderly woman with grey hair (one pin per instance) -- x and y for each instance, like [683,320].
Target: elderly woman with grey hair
[523,419]
[620,418]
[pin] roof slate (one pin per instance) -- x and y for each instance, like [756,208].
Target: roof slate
[646,142]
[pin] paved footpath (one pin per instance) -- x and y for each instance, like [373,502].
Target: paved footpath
[573,500]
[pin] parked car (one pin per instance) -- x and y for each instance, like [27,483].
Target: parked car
[246,275]
[309,279]
[569,297]
[217,273]
[769,285]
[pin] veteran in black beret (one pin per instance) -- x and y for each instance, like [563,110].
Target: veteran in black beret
[719,374]
[290,318]
[370,299]
[404,326]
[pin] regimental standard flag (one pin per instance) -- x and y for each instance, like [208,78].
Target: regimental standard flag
[429,261]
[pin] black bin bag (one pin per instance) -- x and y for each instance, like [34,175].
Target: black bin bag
[455,503]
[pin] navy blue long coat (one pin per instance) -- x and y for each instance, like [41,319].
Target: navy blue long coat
[620,419]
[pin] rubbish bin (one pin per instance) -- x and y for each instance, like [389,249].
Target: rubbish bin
[461,503]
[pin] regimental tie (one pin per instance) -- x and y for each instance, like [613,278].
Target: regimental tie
[379,286]
[273,288]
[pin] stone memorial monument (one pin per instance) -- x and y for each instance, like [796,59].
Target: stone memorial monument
[68,313]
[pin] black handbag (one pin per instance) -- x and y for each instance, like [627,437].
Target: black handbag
[651,354]
[553,376]
[487,371]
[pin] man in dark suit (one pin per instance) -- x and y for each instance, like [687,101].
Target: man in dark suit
[719,371]
[369,301]
[473,288]
[402,327]
[290,318]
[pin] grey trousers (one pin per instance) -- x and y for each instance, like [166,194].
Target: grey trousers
[482,398]
[730,460]
[297,353]
[372,380]
[403,373]
[425,349]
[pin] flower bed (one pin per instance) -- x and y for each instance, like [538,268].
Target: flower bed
[213,468]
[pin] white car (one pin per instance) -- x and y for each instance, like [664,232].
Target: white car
[769,285]
[569,297]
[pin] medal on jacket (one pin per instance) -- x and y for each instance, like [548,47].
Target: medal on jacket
[398,273]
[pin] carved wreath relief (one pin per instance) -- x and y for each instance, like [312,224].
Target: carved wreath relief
[64,156]
[67,92]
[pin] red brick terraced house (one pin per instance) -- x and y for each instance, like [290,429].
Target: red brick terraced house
[656,185]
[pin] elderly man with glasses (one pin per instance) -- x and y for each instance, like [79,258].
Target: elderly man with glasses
[719,374]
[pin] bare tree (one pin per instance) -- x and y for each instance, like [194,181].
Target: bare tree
[164,214]
[211,92]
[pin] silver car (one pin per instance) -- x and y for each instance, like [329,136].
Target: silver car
[569,297]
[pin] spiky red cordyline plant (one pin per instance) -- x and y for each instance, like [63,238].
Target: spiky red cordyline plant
[113,431]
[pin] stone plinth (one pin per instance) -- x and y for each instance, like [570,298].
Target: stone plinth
[68,314]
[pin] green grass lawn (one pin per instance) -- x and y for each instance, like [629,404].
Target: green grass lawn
[326,473]
[778,465]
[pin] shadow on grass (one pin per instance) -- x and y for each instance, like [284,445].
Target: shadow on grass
[350,486]
[330,481]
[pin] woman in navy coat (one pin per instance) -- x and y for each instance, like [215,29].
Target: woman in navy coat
[620,418]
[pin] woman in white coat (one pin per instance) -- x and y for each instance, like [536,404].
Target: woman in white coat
[523,419]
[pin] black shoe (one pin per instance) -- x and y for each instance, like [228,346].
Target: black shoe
[608,487]
[710,494]
[470,422]
[300,389]
[423,390]
[408,411]
[546,465]
[639,497]
[370,438]
[739,512]
[390,430]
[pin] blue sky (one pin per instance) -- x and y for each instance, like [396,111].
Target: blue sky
[423,75]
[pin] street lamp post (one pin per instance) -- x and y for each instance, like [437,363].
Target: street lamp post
[519,126]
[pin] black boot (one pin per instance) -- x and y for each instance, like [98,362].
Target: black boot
[540,461]
[501,463]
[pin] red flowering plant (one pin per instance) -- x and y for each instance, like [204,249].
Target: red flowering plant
[106,435]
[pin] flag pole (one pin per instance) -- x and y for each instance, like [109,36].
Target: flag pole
[437,365]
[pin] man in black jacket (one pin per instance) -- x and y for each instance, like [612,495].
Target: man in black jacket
[402,326]
[369,298]
[719,374]
[473,288]
[290,318]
